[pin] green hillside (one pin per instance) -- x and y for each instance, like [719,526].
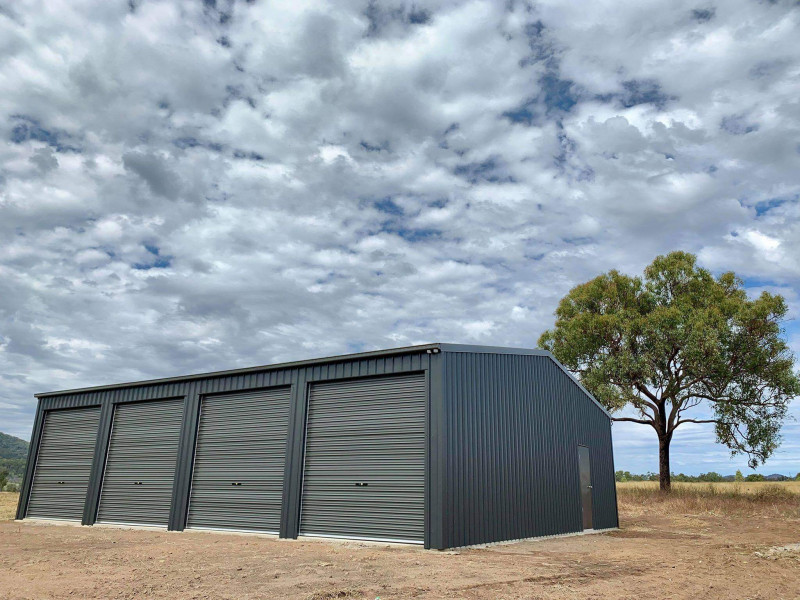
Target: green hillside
[13,453]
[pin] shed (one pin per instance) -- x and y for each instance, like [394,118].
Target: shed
[441,445]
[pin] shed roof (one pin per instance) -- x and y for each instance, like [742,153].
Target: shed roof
[433,347]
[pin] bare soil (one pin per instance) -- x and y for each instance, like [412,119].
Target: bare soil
[654,555]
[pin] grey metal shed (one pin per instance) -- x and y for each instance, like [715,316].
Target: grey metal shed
[440,444]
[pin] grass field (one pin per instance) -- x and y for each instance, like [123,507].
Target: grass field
[744,487]
[779,499]
[8,505]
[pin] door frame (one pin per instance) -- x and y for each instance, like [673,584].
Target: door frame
[590,486]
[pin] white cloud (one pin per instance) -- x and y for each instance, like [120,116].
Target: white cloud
[186,187]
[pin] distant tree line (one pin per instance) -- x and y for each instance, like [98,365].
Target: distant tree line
[15,468]
[5,484]
[709,477]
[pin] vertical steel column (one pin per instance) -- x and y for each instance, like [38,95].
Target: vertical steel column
[435,479]
[295,445]
[183,470]
[33,451]
[98,463]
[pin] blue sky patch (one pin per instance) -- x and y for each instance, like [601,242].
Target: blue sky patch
[416,235]
[488,170]
[524,114]
[28,128]
[158,261]
[388,206]
[558,94]
[765,206]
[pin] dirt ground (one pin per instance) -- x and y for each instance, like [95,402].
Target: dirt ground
[653,556]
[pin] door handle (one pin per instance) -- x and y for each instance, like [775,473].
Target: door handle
[588,486]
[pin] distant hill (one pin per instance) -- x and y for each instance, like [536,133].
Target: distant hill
[12,447]
[13,454]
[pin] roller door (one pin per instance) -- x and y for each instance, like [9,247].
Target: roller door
[140,467]
[237,481]
[64,463]
[364,472]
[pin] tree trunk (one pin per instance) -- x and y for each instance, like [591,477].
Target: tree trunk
[664,480]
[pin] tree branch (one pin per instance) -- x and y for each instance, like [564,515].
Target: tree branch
[632,420]
[642,389]
[697,421]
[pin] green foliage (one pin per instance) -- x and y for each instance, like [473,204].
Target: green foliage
[13,447]
[13,455]
[623,476]
[710,477]
[3,479]
[678,338]
[797,477]
[14,466]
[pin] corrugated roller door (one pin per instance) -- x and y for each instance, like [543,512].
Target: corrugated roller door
[140,467]
[64,464]
[237,481]
[364,473]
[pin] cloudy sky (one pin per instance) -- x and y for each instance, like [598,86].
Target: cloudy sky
[192,186]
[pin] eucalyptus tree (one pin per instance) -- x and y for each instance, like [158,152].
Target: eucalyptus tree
[679,346]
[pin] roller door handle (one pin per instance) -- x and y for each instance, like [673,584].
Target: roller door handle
[361,484]
[138,482]
[61,482]
[236,483]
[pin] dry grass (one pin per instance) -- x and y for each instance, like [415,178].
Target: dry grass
[781,499]
[744,487]
[8,505]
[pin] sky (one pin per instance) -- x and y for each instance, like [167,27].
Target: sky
[194,186]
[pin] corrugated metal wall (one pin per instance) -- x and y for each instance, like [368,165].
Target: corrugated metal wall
[512,426]
[192,391]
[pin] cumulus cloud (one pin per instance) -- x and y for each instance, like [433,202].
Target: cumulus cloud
[195,186]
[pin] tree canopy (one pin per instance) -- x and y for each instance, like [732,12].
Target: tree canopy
[674,340]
